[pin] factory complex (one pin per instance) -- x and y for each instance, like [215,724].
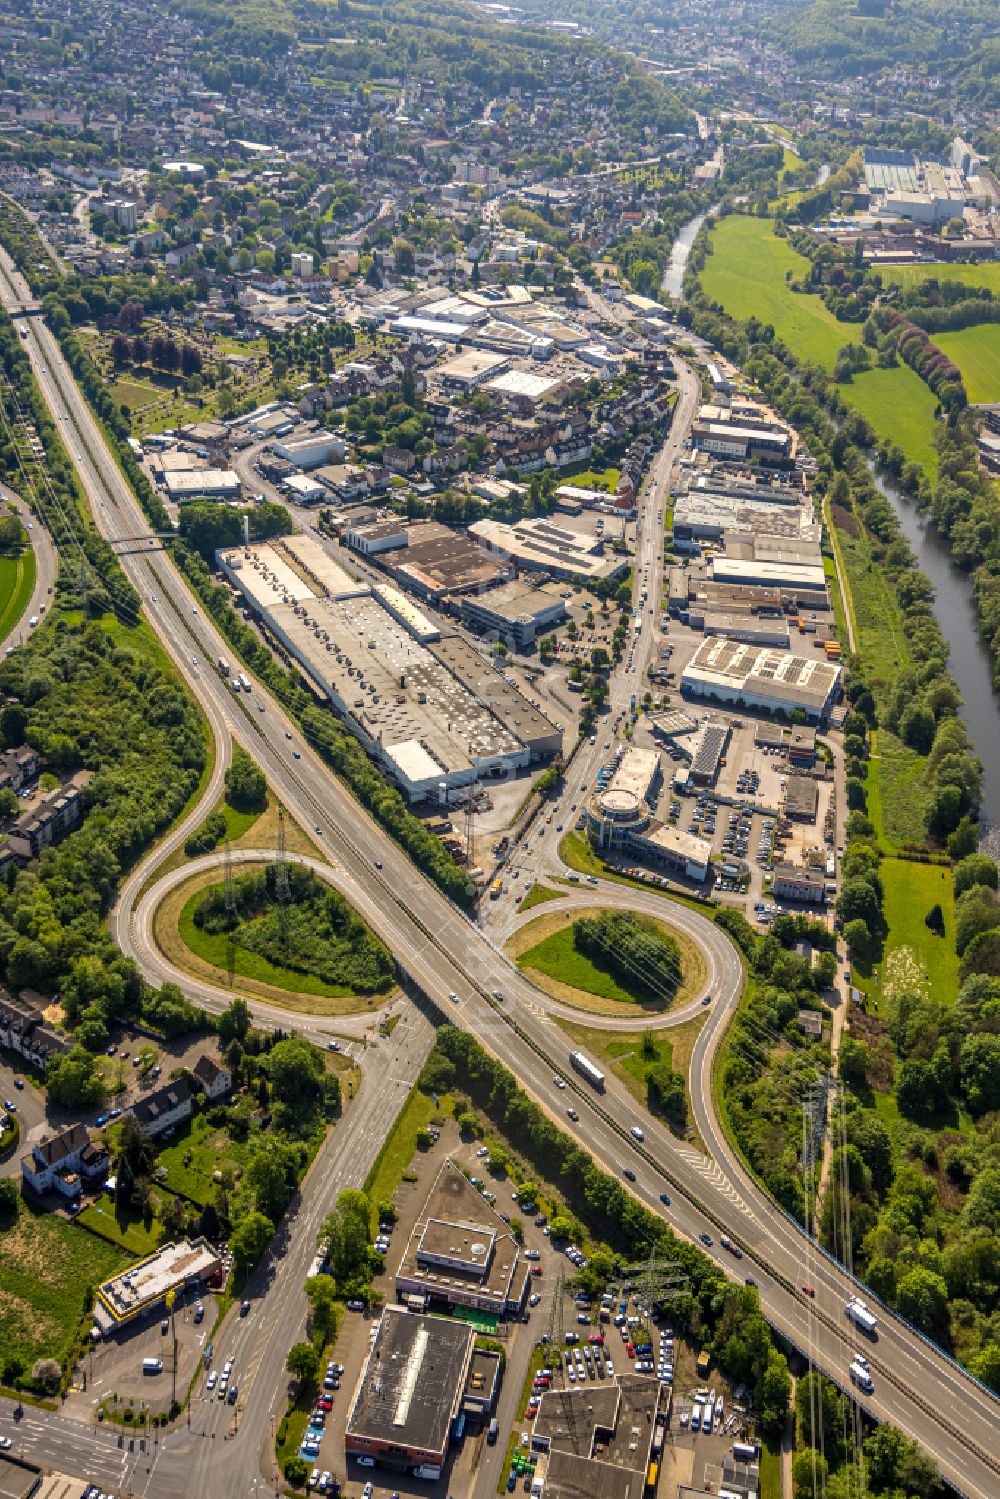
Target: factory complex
[432,712]
[777,681]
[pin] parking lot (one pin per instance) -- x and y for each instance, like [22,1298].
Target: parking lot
[113,1367]
[473,1461]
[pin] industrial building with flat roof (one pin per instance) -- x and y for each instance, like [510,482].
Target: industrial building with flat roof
[438,562]
[201,483]
[368,651]
[597,1442]
[310,452]
[461,1253]
[143,1287]
[540,545]
[727,440]
[703,515]
[760,677]
[805,579]
[517,610]
[410,1392]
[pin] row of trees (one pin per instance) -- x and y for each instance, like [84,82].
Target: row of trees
[926,359]
[161,353]
[769,1066]
[634,950]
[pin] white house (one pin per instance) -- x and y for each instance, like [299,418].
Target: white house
[168,1106]
[60,1162]
[217,1081]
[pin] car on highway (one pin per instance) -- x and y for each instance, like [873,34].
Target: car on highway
[573,1114]
[637,1133]
[212,1380]
[706,1239]
[809,1290]
[560,1082]
[453,996]
[19,1083]
[5,1444]
[296,755]
[665,1199]
[244,1308]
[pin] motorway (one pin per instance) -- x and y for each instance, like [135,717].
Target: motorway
[916,1386]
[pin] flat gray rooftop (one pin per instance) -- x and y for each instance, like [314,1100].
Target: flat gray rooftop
[414,1375]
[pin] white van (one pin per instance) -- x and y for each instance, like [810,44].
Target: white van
[152,1366]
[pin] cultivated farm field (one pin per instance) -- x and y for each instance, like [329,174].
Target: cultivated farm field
[746,273]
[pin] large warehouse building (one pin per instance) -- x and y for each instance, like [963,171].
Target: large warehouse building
[759,677]
[409,1396]
[430,714]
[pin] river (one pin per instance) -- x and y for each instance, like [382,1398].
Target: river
[673,276]
[969,661]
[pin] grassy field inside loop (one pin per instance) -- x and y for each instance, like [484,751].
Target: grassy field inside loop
[218,950]
[215,958]
[17,579]
[544,949]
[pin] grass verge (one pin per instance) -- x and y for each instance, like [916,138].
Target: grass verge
[398,1150]
[622,1053]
